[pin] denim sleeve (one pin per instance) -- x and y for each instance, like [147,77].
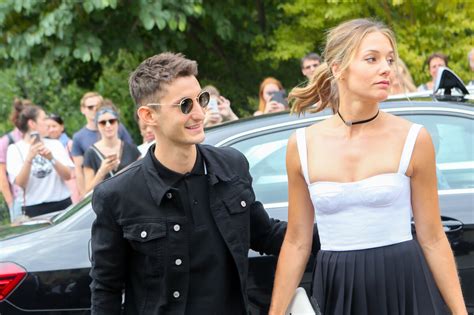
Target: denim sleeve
[266,234]
[108,257]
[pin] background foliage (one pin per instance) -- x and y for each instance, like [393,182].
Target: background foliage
[53,51]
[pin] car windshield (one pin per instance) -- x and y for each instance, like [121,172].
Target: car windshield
[42,222]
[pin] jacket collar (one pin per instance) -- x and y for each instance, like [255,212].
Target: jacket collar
[216,171]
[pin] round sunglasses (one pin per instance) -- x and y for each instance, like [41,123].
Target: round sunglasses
[186,104]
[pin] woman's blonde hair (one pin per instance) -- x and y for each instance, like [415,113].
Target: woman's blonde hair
[405,78]
[265,82]
[341,46]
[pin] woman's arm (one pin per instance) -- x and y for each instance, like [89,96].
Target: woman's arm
[23,176]
[91,179]
[5,186]
[63,171]
[429,229]
[296,247]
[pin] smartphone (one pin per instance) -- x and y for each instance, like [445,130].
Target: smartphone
[279,97]
[213,105]
[36,136]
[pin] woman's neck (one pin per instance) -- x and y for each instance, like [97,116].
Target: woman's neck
[110,142]
[356,110]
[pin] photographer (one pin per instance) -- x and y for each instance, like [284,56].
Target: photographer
[219,110]
[40,166]
[272,97]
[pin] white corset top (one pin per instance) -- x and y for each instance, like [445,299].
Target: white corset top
[369,213]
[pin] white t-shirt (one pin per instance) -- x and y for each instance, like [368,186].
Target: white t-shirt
[44,183]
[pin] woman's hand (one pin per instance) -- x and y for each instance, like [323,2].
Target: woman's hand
[44,151]
[34,150]
[273,107]
[108,164]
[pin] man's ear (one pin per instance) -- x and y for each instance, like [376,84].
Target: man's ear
[147,115]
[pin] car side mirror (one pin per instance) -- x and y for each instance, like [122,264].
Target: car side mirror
[446,83]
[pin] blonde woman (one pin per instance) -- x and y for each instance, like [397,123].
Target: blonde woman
[362,172]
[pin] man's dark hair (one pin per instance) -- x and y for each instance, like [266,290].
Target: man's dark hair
[310,56]
[437,55]
[148,82]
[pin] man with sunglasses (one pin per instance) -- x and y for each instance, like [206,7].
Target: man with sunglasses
[309,63]
[88,135]
[175,228]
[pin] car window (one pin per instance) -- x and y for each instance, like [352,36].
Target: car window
[453,140]
[266,155]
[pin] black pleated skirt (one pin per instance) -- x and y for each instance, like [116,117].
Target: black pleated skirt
[388,280]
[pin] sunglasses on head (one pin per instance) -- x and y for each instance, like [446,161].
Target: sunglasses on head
[110,121]
[186,104]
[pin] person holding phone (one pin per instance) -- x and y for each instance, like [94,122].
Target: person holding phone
[40,166]
[110,154]
[272,98]
[218,110]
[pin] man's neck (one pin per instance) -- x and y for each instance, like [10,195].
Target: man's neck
[178,159]
[91,125]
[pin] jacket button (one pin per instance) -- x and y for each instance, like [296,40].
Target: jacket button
[176,294]
[178,262]
[243,203]
[176,227]
[143,234]
[169,195]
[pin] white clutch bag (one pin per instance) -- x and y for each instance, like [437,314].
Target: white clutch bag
[300,304]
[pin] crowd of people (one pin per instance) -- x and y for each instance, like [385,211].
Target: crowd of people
[103,146]
[42,170]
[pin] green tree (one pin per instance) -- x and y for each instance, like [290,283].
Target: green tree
[421,27]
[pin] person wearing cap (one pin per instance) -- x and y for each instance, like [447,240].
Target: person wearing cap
[110,154]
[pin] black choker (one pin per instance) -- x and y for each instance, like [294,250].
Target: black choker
[350,123]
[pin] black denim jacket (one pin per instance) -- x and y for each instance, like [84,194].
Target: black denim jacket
[140,232]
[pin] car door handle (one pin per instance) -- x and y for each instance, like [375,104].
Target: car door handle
[451,225]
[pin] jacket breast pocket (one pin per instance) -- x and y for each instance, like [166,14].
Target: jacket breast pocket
[148,241]
[241,201]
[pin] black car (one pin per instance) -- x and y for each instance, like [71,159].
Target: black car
[44,266]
